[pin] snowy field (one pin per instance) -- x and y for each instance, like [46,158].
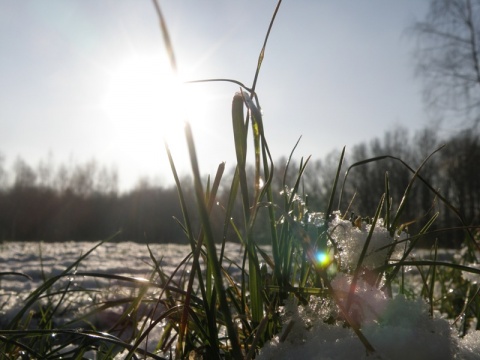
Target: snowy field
[122,258]
[398,328]
[40,261]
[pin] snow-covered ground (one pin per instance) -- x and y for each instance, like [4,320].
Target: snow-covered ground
[122,258]
[397,328]
[40,261]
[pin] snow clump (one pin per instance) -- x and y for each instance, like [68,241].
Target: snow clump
[402,330]
[397,328]
[351,240]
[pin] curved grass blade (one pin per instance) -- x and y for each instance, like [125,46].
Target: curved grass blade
[15,273]
[401,207]
[460,217]
[221,80]
[75,335]
[436,263]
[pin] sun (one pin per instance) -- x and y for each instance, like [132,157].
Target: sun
[146,102]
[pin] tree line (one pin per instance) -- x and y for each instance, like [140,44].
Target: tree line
[448,183]
[83,202]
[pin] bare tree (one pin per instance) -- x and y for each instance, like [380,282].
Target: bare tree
[45,169]
[447,58]
[3,173]
[25,176]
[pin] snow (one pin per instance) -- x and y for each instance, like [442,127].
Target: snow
[351,240]
[397,328]
[403,330]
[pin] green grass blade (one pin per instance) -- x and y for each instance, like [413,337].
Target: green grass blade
[262,52]
[387,201]
[211,249]
[401,207]
[358,268]
[432,282]
[435,263]
[240,138]
[334,187]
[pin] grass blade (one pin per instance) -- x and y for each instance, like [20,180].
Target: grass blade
[211,250]
[334,187]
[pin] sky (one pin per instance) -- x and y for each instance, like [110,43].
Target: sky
[84,79]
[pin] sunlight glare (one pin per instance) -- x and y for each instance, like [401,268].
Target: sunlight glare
[147,103]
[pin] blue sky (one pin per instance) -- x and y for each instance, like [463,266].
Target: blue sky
[84,79]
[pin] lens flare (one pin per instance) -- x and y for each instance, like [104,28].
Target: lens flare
[323,258]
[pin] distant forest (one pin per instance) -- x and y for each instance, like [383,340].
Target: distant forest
[58,203]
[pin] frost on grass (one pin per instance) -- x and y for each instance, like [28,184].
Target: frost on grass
[397,328]
[402,329]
